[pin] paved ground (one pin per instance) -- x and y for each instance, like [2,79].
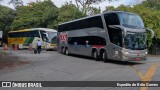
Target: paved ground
[52,66]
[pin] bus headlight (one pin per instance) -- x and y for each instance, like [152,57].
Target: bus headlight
[146,53]
[125,52]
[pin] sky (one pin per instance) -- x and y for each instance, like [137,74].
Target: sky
[59,3]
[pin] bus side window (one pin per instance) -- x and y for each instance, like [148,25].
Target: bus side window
[115,35]
[112,19]
[116,40]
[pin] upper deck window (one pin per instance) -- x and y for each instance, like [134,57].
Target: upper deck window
[130,20]
[90,22]
[111,19]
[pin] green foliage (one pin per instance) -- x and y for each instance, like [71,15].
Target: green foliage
[40,14]
[44,14]
[93,11]
[85,6]
[6,18]
[49,16]
[154,4]
[109,8]
[68,12]
[16,3]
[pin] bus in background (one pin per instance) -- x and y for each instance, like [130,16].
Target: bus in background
[26,37]
[115,35]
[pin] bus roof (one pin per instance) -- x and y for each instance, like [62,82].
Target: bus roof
[32,29]
[95,15]
[80,19]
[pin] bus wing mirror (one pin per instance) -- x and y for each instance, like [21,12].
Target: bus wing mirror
[152,32]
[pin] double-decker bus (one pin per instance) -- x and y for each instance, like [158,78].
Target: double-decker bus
[29,37]
[115,35]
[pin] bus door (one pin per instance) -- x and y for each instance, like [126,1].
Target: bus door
[44,37]
[114,50]
[115,36]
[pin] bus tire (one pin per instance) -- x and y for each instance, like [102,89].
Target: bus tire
[63,50]
[104,56]
[66,51]
[95,55]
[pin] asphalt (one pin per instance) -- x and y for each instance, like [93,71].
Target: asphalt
[53,66]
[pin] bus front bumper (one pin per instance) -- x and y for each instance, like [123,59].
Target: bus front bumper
[128,58]
[134,56]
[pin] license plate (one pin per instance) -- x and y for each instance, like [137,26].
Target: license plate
[138,59]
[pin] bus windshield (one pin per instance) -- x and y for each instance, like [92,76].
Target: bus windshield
[52,37]
[49,36]
[131,20]
[135,41]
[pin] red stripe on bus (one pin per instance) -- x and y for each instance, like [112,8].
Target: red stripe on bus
[98,46]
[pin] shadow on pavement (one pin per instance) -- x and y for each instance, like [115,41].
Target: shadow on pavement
[111,61]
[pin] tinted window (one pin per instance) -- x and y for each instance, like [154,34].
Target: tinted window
[81,24]
[111,19]
[115,36]
[131,20]
[24,34]
[44,36]
[92,40]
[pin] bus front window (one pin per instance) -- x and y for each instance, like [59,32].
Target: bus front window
[130,20]
[45,37]
[52,37]
[49,36]
[135,41]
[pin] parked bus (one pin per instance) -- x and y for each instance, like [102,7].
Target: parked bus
[115,35]
[26,37]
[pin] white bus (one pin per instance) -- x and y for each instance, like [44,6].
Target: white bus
[26,37]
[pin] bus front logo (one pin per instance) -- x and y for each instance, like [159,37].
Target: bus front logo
[63,37]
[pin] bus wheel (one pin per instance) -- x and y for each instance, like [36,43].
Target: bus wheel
[66,51]
[104,56]
[95,54]
[63,50]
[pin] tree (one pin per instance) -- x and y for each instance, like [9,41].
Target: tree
[6,18]
[109,8]
[39,14]
[68,12]
[153,4]
[85,5]
[50,16]
[93,11]
[16,3]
